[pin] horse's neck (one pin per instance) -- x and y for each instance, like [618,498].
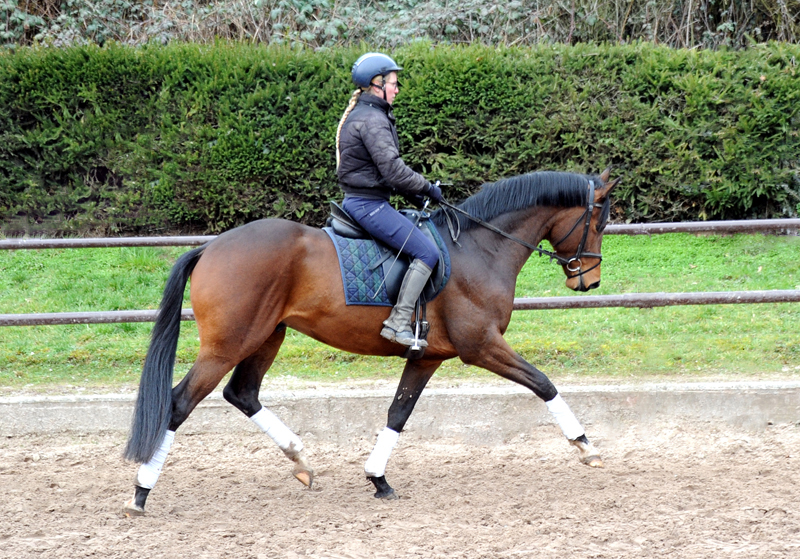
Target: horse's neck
[530,225]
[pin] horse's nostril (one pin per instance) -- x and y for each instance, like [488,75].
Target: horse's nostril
[594,285]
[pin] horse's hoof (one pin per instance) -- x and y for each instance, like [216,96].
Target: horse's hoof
[593,461]
[389,495]
[302,468]
[384,490]
[588,453]
[304,476]
[132,509]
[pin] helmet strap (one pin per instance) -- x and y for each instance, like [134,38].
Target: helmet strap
[382,86]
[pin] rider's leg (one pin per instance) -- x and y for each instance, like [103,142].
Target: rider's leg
[387,225]
[397,328]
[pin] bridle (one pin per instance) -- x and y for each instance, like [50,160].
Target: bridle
[579,253]
[572,264]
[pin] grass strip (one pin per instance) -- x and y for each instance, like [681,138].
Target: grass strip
[581,345]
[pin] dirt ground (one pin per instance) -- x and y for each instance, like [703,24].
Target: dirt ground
[682,491]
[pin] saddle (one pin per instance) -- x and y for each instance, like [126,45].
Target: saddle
[394,265]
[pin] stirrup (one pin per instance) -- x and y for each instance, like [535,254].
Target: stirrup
[405,338]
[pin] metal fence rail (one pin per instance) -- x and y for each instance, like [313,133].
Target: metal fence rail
[104,242]
[740,226]
[650,300]
[634,300]
[102,317]
[630,300]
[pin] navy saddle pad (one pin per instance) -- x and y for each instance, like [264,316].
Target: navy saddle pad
[371,271]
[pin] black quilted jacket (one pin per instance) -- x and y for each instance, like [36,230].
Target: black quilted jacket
[370,164]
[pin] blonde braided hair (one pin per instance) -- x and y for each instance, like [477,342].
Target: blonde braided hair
[350,106]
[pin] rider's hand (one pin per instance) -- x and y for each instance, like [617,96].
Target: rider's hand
[416,200]
[434,192]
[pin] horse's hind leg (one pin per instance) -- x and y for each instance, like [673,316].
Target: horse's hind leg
[198,383]
[242,391]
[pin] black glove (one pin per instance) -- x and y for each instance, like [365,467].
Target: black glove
[416,200]
[434,192]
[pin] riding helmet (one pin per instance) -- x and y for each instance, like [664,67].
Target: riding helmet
[370,65]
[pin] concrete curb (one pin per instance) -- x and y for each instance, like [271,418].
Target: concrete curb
[479,415]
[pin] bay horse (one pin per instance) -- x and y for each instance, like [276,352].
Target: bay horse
[253,282]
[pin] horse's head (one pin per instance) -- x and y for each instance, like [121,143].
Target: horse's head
[577,234]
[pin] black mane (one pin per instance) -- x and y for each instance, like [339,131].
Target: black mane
[543,188]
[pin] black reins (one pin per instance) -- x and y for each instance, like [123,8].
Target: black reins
[569,263]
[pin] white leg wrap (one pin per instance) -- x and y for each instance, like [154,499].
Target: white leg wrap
[376,463]
[148,473]
[277,431]
[565,418]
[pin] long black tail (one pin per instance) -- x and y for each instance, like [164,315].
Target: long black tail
[154,401]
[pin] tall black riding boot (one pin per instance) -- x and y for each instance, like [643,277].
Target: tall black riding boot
[397,328]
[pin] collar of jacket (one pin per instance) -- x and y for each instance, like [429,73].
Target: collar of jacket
[377,102]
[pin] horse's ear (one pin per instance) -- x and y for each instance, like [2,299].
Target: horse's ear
[605,175]
[602,192]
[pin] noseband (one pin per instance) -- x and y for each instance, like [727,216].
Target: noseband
[572,264]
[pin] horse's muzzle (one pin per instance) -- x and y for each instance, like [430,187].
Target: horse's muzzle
[582,287]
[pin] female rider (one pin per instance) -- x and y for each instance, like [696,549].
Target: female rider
[370,170]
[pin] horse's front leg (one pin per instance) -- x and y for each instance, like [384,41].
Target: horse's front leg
[415,376]
[499,358]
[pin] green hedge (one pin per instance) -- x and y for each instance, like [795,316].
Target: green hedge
[190,138]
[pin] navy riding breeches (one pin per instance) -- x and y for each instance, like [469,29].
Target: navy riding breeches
[382,221]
